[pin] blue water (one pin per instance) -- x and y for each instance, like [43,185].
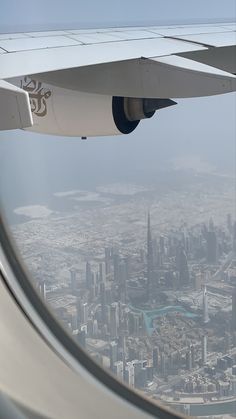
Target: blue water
[150,315]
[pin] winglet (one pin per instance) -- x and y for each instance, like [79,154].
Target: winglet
[15,107]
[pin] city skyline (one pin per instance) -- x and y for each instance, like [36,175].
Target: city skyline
[169,342]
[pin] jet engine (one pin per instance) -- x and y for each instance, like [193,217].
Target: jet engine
[66,112]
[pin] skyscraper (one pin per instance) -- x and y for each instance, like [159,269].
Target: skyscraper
[79,310]
[204,349]
[205,305]
[162,245]
[129,374]
[150,273]
[116,262]
[118,370]
[234,238]
[113,354]
[102,272]
[88,276]
[73,280]
[182,266]
[103,301]
[163,363]
[84,313]
[193,355]
[114,320]
[234,309]
[155,358]
[123,277]
[108,258]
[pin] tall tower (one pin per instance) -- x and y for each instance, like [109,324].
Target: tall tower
[155,354]
[123,277]
[234,238]
[108,258]
[102,272]
[73,280]
[205,306]
[150,279]
[204,349]
[113,321]
[234,309]
[182,266]
[103,302]
[116,263]
[88,276]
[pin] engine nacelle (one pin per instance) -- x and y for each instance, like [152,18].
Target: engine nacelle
[66,112]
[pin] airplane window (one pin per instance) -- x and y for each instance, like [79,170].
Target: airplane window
[131,242]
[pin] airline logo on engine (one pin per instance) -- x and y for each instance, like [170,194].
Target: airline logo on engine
[38,95]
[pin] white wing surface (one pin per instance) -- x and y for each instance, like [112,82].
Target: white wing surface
[148,62]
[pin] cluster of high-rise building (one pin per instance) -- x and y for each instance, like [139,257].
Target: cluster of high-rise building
[215,380]
[128,313]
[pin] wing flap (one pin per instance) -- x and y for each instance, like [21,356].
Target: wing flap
[15,107]
[187,78]
[223,58]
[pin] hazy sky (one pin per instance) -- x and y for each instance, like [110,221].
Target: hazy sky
[65,13]
[203,129]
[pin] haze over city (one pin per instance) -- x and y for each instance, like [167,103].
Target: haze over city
[131,240]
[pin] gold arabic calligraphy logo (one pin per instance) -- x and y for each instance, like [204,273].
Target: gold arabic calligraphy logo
[37,94]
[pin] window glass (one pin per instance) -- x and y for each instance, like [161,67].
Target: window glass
[131,240]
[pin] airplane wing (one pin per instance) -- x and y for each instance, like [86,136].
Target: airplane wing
[143,62]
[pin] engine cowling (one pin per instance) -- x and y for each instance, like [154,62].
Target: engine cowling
[66,112]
